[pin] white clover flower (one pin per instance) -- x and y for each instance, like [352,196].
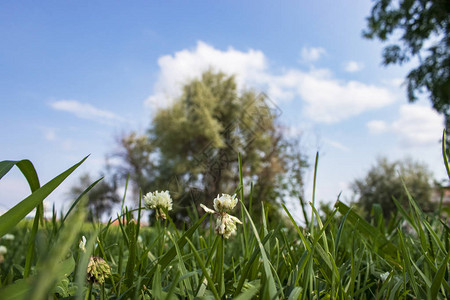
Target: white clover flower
[3,251]
[384,276]
[225,224]
[159,201]
[8,237]
[82,244]
[225,203]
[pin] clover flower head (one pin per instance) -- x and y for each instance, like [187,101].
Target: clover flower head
[384,276]
[225,223]
[98,270]
[3,251]
[159,201]
[82,244]
[225,203]
[8,237]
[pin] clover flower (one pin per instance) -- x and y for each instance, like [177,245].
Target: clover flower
[82,244]
[159,201]
[225,224]
[98,270]
[225,203]
[3,251]
[384,276]
[8,237]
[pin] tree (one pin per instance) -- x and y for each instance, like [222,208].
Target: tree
[192,146]
[417,23]
[101,198]
[384,181]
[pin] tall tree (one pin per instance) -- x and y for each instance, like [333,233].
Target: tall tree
[192,146]
[384,181]
[422,28]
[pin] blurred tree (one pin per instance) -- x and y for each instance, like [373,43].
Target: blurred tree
[101,198]
[191,147]
[384,181]
[421,29]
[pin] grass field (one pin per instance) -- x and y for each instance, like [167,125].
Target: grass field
[340,256]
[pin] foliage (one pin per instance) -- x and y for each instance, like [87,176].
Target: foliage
[337,258]
[423,28]
[192,146]
[386,180]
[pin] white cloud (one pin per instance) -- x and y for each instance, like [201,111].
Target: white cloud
[337,145]
[185,65]
[416,126]
[311,54]
[377,126]
[330,100]
[327,99]
[353,66]
[86,111]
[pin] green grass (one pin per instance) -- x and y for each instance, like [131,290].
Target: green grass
[340,256]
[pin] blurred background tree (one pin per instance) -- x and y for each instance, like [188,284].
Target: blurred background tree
[192,146]
[384,181]
[101,198]
[418,29]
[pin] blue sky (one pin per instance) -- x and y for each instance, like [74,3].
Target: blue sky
[75,75]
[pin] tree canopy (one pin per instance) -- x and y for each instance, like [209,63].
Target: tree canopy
[417,29]
[191,147]
[384,181]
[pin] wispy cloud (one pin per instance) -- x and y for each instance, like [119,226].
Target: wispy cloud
[353,66]
[311,54]
[416,126]
[327,99]
[337,145]
[86,111]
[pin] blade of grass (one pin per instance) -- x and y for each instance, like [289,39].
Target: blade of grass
[407,264]
[439,277]
[311,228]
[205,272]
[368,231]
[80,278]
[13,216]
[170,254]
[271,287]
[28,170]
[444,154]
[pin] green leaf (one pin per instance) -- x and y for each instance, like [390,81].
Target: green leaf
[168,257]
[439,277]
[249,293]
[205,272]
[444,154]
[270,288]
[83,262]
[368,231]
[27,169]
[13,216]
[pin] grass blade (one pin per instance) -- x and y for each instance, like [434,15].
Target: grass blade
[13,216]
